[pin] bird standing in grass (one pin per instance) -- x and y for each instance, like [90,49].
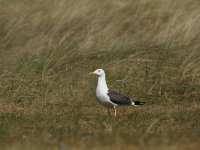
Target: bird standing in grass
[110,98]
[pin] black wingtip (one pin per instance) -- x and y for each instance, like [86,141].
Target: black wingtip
[139,103]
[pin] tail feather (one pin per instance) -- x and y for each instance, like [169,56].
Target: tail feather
[137,103]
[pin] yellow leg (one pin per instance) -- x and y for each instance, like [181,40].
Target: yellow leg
[108,112]
[115,112]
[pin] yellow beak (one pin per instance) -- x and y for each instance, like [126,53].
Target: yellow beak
[92,73]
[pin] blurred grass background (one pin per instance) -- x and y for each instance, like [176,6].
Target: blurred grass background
[149,49]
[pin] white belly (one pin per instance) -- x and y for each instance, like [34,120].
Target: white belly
[104,99]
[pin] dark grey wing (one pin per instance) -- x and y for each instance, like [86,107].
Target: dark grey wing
[117,98]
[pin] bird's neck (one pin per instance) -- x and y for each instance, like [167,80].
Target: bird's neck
[102,84]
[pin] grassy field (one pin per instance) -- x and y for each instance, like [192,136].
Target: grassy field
[149,49]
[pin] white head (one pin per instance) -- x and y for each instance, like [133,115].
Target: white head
[101,79]
[98,72]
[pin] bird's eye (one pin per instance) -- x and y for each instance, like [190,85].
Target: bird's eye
[98,70]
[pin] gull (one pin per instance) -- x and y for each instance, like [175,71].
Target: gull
[110,98]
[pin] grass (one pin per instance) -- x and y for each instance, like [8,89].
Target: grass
[149,50]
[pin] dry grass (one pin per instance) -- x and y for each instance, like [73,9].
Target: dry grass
[149,49]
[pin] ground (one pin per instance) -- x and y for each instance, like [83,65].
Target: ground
[149,50]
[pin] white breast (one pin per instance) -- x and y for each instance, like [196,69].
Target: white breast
[104,99]
[101,93]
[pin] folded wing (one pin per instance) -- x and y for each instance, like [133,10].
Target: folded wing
[119,99]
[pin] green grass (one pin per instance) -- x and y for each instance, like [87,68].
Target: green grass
[149,50]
